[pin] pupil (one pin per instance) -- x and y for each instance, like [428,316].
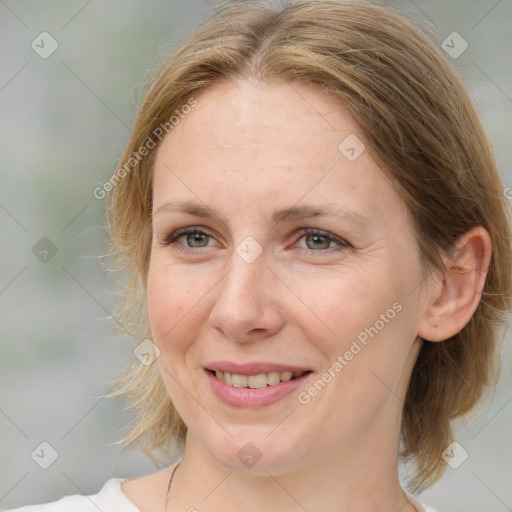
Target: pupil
[196,237]
[317,238]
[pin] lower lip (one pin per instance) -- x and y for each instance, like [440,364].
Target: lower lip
[247,397]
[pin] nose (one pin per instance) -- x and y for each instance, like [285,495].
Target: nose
[246,306]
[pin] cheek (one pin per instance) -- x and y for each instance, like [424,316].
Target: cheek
[366,321]
[166,304]
[177,303]
[345,305]
[375,353]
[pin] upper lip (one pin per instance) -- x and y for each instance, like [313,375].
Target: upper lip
[253,368]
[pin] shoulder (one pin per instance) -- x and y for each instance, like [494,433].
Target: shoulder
[109,499]
[419,505]
[148,492]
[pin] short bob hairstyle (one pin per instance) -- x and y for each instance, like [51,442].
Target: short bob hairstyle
[419,125]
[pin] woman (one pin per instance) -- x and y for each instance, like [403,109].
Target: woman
[318,245]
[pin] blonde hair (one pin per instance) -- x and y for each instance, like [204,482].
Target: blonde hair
[420,126]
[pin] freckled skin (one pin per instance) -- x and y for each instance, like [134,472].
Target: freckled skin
[246,149]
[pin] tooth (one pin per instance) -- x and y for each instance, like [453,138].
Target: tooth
[260,380]
[239,381]
[257,381]
[273,378]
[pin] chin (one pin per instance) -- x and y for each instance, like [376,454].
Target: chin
[257,454]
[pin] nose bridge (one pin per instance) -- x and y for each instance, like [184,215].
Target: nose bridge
[245,301]
[242,281]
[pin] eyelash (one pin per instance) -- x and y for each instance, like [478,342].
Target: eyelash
[172,238]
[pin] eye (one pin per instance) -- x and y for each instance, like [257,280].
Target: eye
[197,238]
[319,241]
[316,241]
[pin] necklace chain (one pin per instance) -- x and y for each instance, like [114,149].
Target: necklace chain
[176,467]
[169,486]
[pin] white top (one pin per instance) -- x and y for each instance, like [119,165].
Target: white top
[111,498]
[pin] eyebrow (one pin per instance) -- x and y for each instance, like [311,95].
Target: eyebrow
[282,215]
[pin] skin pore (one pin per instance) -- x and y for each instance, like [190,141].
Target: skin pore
[250,148]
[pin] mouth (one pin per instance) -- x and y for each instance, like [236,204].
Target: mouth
[256,381]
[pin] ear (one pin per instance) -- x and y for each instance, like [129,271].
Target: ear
[453,299]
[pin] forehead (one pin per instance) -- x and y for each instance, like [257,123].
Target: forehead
[263,115]
[253,143]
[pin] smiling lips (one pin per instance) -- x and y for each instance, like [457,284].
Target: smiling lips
[254,384]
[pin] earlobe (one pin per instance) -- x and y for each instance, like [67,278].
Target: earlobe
[452,302]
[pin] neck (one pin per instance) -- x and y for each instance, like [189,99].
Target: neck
[359,477]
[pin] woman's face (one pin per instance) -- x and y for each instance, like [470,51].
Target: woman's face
[260,278]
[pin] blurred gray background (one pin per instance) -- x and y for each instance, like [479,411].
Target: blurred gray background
[65,117]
